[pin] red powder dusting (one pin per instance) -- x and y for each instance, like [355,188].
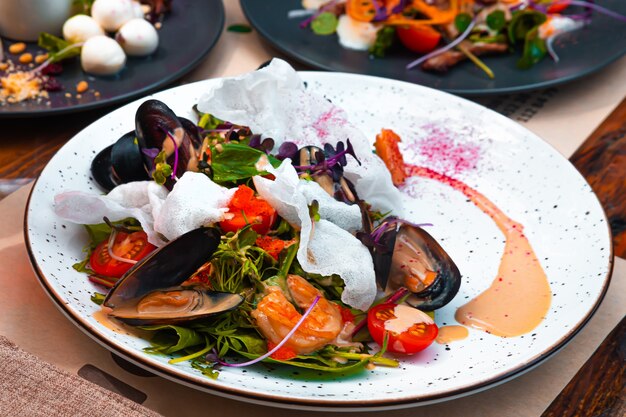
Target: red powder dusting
[444,154]
[328,118]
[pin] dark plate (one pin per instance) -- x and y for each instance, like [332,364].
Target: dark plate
[581,52]
[186,37]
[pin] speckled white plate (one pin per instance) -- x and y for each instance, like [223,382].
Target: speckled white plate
[519,172]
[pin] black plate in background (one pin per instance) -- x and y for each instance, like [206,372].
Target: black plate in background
[581,52]
[186,37]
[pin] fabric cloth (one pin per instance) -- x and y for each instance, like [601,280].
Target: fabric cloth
[32,387]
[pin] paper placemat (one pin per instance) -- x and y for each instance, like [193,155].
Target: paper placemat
[32,322]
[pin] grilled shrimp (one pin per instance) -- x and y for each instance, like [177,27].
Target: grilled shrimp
[276,316]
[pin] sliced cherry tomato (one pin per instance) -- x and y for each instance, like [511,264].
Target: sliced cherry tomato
[133,246]
[419,38]
[417,329]
[245,208]
[386,146]
[346,314]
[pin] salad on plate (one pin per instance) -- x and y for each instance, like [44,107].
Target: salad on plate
[254,234]
[443,33]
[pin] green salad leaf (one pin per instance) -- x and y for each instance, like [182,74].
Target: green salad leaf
[522,22]
[169,339]
[496,20]
[239,28]
[57,48]
[534,49]
[462,21]
[385,38]
[233,162]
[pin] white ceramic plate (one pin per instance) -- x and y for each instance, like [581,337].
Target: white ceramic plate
[520,173]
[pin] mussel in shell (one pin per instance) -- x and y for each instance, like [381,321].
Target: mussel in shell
[151,291]
[405,255]
[333,182]
[119,163]
[158,128]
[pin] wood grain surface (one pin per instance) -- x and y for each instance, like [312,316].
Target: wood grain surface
[599,387]
[602,160]
[26,145]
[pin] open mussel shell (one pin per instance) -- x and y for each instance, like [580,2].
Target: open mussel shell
[150,292]
[158,128]
[409,257]
[119,163]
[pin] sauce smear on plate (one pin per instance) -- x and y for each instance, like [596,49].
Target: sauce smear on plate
[520,296]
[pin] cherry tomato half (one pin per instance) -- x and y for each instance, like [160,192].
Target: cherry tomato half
[421,39]
[245,208]
[134,246]
[417,329]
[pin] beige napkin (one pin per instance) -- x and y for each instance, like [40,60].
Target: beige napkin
[31,387]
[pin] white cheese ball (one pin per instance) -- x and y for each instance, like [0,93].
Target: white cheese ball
[81,27]
[112,14]
[138,9]
[101,55]
[138,37]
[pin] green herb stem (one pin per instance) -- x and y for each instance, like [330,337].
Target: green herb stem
[480,64]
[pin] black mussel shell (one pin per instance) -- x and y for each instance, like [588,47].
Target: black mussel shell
[155,126]
[193,131]
[447,282]
[101,169]
[127,160]
[119,163]
[166,267]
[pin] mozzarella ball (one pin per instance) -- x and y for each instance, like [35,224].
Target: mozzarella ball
[138,9]
[81,27]
[101,55]
[112,14]
[138,37]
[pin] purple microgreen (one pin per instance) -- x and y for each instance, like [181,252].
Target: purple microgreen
[255,141]
[279,345]
[287,150]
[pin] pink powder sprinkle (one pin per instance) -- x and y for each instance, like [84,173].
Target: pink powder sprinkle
[329,118]
[445,154]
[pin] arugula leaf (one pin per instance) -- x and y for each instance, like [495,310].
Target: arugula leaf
[324,24]
[384,40]
[98,298]
[534,49]
[496,20]
[233,162]
[57,47]
[170,339]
